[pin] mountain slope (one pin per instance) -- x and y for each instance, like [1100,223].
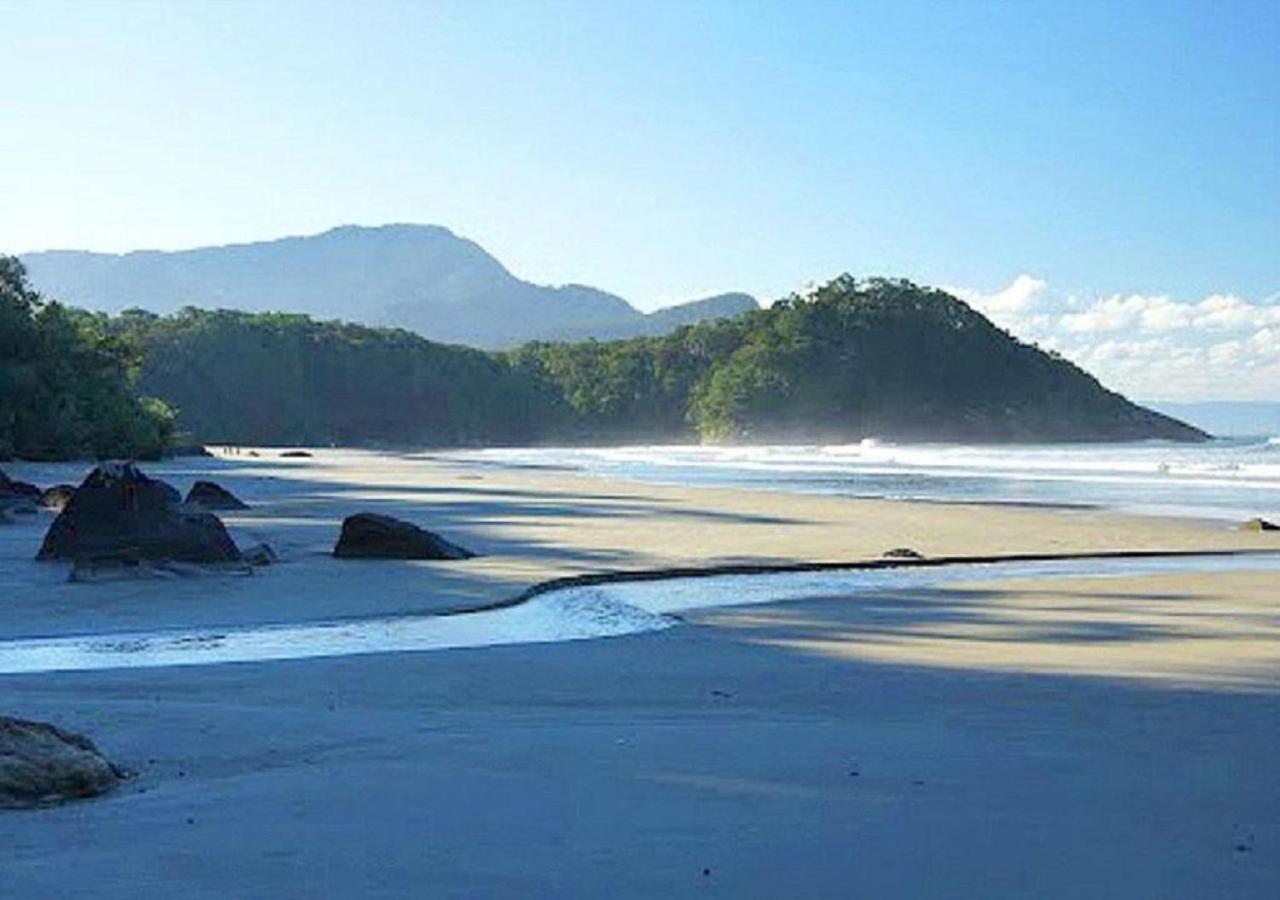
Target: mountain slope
[420,277]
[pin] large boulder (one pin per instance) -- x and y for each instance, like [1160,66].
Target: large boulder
[41,764]
[119,515]
[382,537]
[208,495]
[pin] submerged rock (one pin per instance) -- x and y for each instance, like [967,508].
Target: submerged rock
[119,515]
[41,763]
[1259,524]
[374,536]
[57,496]
[213,496]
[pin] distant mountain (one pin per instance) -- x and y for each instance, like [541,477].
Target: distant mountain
[420,277]
[1226,418]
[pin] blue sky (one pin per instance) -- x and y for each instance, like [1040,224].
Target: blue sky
[665,150]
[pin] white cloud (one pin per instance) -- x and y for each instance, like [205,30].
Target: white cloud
[1221,347]
[1019,296]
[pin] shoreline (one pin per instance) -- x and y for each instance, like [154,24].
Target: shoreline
[993,736]
[531,529]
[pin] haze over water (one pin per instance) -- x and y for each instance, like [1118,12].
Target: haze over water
[1230,479]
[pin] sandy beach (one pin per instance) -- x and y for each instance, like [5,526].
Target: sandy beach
[1061,737]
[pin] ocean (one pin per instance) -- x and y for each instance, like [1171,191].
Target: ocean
[1228,478]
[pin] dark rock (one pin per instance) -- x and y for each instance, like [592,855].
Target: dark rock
[41,764]
[1259,525]
[18,489]
[295,454]
[186,450]
[903,553]
[12,507]
[119,515]
[213,496]
[260,555]
[57,496]
[16,498]
[370,535]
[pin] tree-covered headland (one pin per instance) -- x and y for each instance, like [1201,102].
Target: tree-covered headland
[849,360]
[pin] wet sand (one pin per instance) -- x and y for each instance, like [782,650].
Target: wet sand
[1055,738]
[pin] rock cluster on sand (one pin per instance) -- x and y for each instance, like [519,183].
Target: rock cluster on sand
[41,764]
[208,495]
[382,537]
[119,515]
[1259,525]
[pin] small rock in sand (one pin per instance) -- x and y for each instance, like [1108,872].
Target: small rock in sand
[208,495]
[903,553]
[57,496]
[373,536]
[42,764]
[260,555]
[12,508]
[295,454]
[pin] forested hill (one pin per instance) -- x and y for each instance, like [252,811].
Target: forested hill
[852,359]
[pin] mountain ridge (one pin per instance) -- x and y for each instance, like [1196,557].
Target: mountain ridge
[419,277]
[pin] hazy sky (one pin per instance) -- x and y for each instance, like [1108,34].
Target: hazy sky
[664,150]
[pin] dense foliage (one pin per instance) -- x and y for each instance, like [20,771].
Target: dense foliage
[274,378]
[66,384]
[852,359]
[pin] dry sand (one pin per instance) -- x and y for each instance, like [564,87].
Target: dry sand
[1058,738]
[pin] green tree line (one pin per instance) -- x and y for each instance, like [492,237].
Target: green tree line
[848,360]
[67,384]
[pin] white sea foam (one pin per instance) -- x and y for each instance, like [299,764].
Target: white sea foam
[1219,479]
[571,614]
